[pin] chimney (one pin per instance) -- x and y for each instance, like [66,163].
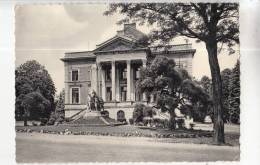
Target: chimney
[132,25]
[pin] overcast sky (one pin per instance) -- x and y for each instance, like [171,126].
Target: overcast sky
[45,32]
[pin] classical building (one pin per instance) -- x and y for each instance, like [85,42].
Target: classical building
[112,70]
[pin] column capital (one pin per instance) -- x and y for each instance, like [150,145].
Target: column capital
[99,65]
[94,66]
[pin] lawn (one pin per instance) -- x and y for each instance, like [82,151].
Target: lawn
[176,136]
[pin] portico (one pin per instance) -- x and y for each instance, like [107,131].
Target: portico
[117,80]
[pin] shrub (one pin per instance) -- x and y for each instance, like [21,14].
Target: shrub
[43,121]
[131,121]
[162,123]
[138,113]
[180,123]
[148,111]
[52,119]
[60,119]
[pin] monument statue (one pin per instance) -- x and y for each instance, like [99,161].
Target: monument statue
[95,103]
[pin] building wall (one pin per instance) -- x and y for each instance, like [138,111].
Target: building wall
[85,82]
[89,76]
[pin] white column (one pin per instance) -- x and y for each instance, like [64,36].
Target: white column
[144,66]
[128,93]
[132,85]
[117,86]
[98,79]
[103,84]
[113,72]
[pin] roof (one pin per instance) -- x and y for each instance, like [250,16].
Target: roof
[125,40]
[78,55]
[129,34]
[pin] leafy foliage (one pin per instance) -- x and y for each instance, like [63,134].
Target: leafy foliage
[141,111]
[59,109]
[32,77]
[234,96]
[34,105]
[225,76]
[230,95]
[138,113]
[59,114]
[174,88]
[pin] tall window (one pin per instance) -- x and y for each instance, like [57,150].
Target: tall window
[123,74]
[75,95]
[123,93]
[108,94]
[108,74]
[75,75]
[137,73]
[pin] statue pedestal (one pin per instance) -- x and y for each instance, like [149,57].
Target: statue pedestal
[92,114]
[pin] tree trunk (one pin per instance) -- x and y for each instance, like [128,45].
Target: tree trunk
[218,137]
[172,122]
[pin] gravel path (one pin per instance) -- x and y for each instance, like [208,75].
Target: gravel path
[36,147]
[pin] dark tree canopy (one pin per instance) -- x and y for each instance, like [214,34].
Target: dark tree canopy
[36,76]
[234,95]
[32,77]
[205,82]
[60,105]
[34,105]
[211,23]
[225,76]
[173,87]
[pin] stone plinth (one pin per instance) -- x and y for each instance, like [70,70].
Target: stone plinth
[92,114]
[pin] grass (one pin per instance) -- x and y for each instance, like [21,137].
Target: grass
[180,136]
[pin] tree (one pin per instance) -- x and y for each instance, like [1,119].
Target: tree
[34,103]
[205,82]
[59,108]
[234,95]
[141,111]
[211,23]
[174,88]
[138,113]
[225,76]
[33,77]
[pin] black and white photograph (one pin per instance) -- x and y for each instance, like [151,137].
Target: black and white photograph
[127,82]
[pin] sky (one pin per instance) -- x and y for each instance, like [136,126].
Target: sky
[45,32]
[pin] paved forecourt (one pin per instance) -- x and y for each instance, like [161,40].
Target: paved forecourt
[37,147]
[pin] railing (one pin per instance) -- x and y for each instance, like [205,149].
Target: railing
[171,47]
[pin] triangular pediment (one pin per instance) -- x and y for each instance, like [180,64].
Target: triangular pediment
[116,44]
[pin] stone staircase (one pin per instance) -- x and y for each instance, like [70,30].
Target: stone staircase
[90,118]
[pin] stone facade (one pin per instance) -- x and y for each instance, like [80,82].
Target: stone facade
[112,70]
